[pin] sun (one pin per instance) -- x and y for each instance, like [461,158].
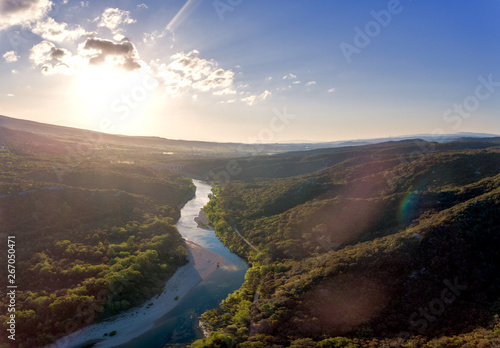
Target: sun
[102,82]
[106,95]
[100,90]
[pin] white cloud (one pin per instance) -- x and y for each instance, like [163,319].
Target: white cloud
[188,69]
[310,83]
[84,3]
[331,90]
[144,6]
[150,37]
[14,71]
[10,57]
[230,101]
[264,95]
[113,18]
[51,30]
[296,82]
[10,95]
[227,91]
[219,78]
[269,78]
[251,100]
[52,59]
[191,65]
[289,77]
[22,12]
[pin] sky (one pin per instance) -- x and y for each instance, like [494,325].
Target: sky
[253,71]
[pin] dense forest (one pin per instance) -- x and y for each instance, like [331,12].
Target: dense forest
[384,245]
[388,245]
[92,241]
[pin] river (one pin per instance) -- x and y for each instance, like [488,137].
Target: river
[180,325]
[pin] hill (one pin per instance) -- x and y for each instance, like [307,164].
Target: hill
[40,138]
[90,242]
[387,245]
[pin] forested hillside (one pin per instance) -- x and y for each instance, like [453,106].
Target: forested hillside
[388,245]
[90,242]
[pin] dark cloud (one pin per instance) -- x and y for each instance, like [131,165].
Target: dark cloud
[58,53]
[123,54]
[18,6]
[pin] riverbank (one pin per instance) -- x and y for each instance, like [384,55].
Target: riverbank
[202,220]
[136,321]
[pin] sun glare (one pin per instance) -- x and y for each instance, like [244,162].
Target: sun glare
[105,92]
[101,82]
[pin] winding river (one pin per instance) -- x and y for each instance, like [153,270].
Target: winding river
[180,325]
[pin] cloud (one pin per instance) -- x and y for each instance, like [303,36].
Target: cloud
[153,36]
[113,18]
[191,65]
[33,15]
[10,57]
[188,69]
[52,59]
[230,101]
[310,83]
[289,77]
[84,3]
[331,90]
[121,55]
[22,12]
[51,30]
[144,6]
[10,95]
[219,78]
[296,82]
[251,100]
[264,95]
[269,78]
[226,91]
[94,51]
[188,73]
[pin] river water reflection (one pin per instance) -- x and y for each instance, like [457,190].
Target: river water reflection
[180,325]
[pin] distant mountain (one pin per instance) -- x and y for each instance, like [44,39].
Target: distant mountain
[196,149]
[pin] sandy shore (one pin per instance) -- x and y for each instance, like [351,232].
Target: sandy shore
[136,321]
[202,220]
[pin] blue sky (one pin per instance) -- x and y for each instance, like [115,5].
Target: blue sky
[226,70]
